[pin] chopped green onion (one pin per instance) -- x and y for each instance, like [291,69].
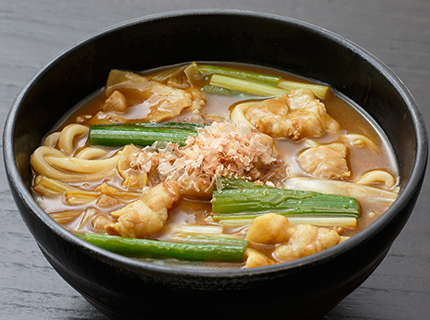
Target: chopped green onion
[249,75]
[197,229]
[247,86]
[244,200]
[316,221]
[275,81]
[325,221]
[348,189]
[317,89]
[220,91]
[221,239]
[192,72]
[142,134]
[167,74]
[145,248]
[232,183]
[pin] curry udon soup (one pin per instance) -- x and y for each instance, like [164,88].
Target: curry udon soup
[232,166]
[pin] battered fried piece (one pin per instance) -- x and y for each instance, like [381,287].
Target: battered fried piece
[256,259]
[290,242]
[295,116]
[270,228]
[146,216]
[100,222]
[105,201]
[306,240]
[325,161]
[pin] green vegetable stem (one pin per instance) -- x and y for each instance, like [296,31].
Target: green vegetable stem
[240,199]
[141,134]
[211,250]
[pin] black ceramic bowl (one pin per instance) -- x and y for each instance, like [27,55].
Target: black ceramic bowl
[126,288]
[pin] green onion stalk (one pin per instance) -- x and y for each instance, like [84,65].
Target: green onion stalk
[243,200]
[207,249]
[141,134]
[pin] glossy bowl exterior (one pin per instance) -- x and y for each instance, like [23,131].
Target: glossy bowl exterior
[128,289]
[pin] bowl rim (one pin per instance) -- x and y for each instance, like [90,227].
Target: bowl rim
[418,171]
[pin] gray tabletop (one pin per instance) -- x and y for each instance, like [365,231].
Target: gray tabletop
[33,31]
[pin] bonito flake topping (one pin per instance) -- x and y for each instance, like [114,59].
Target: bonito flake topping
[222,149]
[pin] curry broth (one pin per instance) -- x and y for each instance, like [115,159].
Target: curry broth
[189,211]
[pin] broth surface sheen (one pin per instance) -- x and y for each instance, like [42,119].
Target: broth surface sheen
[77,208]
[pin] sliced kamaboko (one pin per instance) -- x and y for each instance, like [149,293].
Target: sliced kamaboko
[295,116]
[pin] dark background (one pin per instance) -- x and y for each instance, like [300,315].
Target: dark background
[32,32]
